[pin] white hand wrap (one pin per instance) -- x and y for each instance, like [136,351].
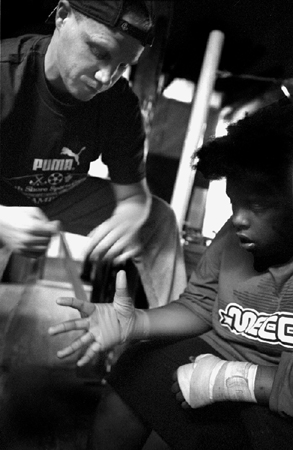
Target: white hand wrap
[210,379]
[134,323]
[124,309]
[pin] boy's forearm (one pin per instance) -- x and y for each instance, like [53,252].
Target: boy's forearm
[172,320]
[263,383]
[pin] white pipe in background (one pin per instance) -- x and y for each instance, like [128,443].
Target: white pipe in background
[198,116]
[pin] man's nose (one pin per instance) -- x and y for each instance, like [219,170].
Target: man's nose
[105,75]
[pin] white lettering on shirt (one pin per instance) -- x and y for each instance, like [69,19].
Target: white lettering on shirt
[53,164]
[276,328]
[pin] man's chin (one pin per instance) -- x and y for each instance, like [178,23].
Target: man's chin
[85,96]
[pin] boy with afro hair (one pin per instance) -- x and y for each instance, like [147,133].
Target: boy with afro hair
[228,340]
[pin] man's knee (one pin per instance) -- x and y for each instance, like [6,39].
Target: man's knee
[162,214]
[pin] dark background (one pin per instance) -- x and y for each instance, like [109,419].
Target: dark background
[258,38]
[257,58]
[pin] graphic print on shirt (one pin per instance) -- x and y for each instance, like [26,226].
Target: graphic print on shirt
[275,328]
[68,152]
[50,177]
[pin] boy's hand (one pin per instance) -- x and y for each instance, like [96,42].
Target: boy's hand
[105,324]
[209,379]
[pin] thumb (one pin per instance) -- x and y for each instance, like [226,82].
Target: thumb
[121,284]
[122,301]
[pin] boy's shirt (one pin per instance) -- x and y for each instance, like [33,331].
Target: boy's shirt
[251,313]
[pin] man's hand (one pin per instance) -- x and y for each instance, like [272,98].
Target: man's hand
[26,230]
[117,239]
[106,324]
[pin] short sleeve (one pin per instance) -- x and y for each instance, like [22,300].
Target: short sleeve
[123,135]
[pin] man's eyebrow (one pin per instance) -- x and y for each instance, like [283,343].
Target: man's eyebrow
[105,50]
[98,45]
[91,39]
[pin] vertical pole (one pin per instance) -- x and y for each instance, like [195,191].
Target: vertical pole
[199,111]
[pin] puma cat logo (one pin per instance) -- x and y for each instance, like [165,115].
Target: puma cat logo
[66,151]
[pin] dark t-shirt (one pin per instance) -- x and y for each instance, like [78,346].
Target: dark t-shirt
[46,145]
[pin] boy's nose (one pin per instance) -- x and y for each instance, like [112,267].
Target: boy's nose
[240,218]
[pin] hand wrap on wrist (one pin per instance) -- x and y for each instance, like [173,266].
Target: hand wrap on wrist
[133,323]
[210,379]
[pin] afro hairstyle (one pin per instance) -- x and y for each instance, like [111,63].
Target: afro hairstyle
[262,142]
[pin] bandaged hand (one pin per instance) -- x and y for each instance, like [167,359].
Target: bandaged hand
[105,324]
[210,379]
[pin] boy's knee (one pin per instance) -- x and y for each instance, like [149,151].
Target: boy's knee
[116,426]
[112,407]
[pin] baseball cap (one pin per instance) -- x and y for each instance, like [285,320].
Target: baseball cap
[110,13]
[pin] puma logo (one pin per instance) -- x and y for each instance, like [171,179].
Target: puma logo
[66,151]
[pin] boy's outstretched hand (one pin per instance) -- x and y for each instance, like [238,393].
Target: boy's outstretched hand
[105,324]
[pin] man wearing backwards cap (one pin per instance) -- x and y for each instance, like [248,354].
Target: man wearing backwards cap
[65,103]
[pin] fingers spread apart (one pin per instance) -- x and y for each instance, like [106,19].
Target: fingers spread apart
[91,352]
[81,305]
[76,345]
[69,325]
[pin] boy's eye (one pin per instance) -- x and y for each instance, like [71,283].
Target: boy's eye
[258,206]
[263,205]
